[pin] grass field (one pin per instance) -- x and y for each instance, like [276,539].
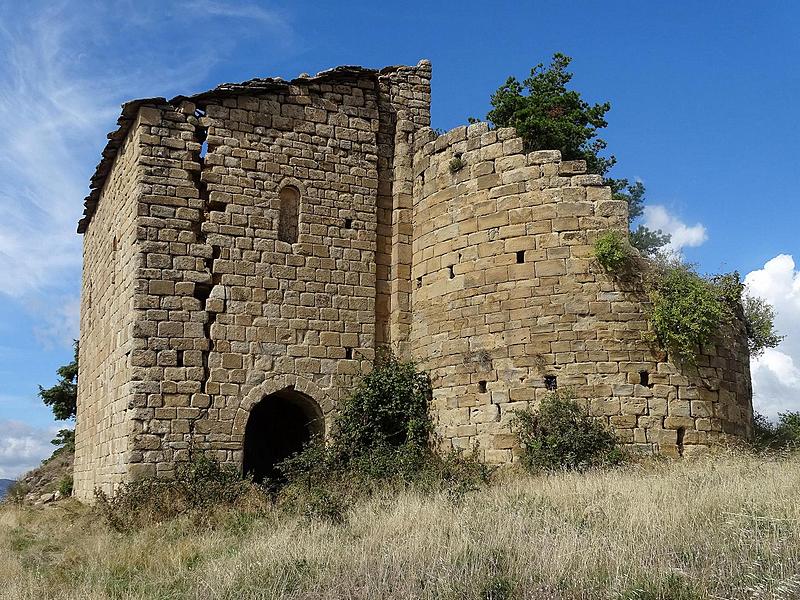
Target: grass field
[727,527]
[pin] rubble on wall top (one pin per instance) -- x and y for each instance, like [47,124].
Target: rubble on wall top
[345,73]
[271,84]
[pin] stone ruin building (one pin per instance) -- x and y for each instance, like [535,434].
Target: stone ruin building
[246,249]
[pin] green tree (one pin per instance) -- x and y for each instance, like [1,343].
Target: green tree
[62,398]
[549,116]
[644,239]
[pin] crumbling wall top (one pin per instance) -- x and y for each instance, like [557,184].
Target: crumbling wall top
[130,110]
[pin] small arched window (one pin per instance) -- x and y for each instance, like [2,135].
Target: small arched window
[290,212]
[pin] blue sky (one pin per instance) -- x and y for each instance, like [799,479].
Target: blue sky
[704,112]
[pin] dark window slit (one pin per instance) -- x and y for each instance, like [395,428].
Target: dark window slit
[644,378]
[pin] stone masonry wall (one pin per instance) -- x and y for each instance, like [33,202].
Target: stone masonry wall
[405,109]
[230,313]
[106,322]
[480,268]
[506,293]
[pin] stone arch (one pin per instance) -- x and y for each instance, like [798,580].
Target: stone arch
[278,426]
[270,385]
[293,182]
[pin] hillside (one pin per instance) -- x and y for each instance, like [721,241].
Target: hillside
[53,475]
[4,485]
[715,528]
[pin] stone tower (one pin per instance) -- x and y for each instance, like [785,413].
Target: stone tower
[246,250]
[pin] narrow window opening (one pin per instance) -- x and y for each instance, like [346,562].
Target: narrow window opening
[482,386]
[289,214]
[450,272]
[216,205]
[202,291]
[201,135]
[114,261]
[419,282]
[644,378]
[348,223]
[550,382]
[681,434]
[520,256]
[180,358]
[348,353]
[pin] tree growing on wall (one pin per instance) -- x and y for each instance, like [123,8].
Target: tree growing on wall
[549,116]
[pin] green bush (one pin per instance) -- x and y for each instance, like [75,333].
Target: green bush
[783,435]
[560,435]
[199,487]
[759,320]
[65,485]
[381,437]
[688,310]
[612,251]
[387,409]
[456,164]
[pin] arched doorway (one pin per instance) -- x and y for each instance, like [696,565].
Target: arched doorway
[278,426]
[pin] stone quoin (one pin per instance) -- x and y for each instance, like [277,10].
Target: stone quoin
[247,249]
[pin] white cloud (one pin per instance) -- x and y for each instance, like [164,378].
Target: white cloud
[66,68]
[234,10]
[682,235]
[57,321]
[776,374]
[22,447]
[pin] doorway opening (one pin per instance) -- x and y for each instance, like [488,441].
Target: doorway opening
[278,426]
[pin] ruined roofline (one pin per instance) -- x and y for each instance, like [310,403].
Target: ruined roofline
[130,110]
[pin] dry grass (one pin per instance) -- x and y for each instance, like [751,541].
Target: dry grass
[722,528]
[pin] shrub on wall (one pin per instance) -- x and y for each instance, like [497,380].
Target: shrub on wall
[612,251]
[560,435]
[687,310]
[456,164]
[388,408]
[759,320]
